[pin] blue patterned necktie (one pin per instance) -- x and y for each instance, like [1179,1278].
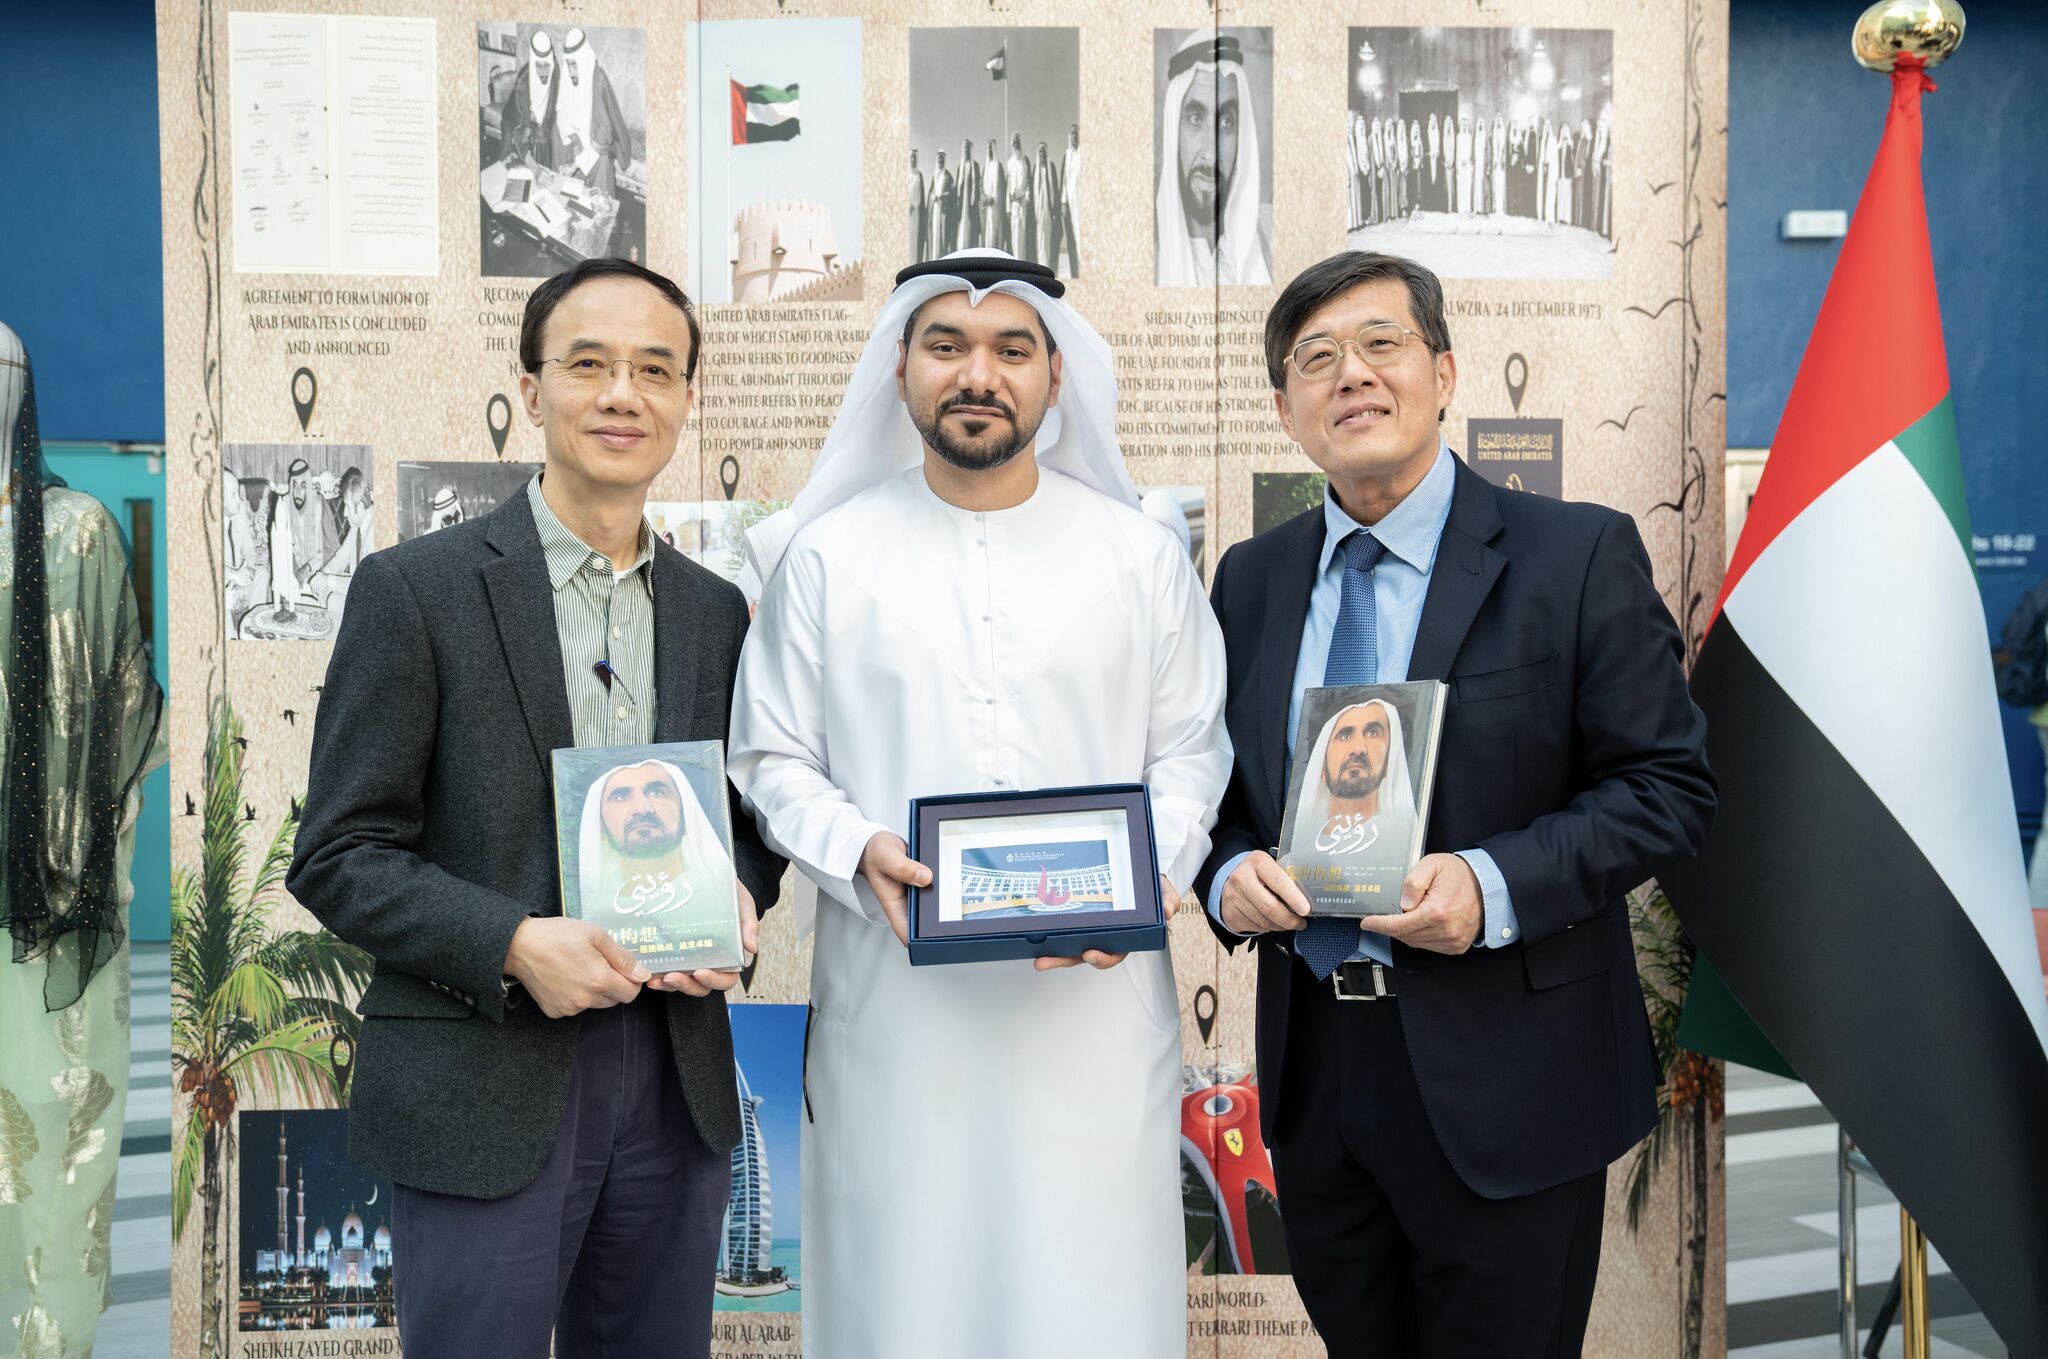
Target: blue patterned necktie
[1327,941]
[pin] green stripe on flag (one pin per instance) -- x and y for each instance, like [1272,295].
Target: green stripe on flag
[770,94]
[1929,444]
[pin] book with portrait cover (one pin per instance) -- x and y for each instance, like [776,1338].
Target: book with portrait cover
[1358,795]
[644,835]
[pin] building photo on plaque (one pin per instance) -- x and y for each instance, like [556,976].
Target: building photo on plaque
[438,495]
[775,178]
[1358,796]
[314,1231]
[645,839]
[1483,152]
[295,520]
[1212,156]
[562,141]
[995,143]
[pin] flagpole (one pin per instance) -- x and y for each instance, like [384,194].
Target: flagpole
[732,222]
[1902,38]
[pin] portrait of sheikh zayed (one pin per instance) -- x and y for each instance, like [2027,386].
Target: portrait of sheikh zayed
[646,845]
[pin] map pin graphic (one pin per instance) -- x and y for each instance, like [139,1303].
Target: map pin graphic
[1517,384]
[492,409]
[729,474]
[1205,1018]
[304,391]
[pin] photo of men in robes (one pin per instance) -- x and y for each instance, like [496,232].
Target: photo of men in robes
[1018,93]
[1504,156]
[920,212]
[562,119]
[1353,808]
[443,493]
[977,437]
[1212,210]
[297,519]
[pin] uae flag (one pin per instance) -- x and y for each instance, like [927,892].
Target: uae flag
[763,113]
[997,64]
[1862,893]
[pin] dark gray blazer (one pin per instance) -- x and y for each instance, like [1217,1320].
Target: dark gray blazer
[428,836]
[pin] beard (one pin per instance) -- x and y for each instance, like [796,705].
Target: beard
[1355,778]
[974,452]
[659,845]
[1204,210]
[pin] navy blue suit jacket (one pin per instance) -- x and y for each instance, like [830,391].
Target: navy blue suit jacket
[1572,753]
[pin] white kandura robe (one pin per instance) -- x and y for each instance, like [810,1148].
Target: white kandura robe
[991,1167]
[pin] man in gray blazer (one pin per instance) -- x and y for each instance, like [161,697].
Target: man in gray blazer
[558,1123]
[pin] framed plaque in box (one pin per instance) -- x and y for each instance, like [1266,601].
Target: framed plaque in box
[1050,873]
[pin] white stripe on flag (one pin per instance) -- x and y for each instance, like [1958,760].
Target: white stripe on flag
[1865,609]
[768,115]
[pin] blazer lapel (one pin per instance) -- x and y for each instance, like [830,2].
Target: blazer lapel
[1464,573]
[523,604]
[1288,586]
[676,649]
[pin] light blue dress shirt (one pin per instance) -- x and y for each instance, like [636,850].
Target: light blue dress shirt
[1410,532]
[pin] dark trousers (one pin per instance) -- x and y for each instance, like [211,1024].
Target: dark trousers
[1393,1253]
[610,1250]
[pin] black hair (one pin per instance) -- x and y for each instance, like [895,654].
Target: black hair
[544,299]
[1320,282]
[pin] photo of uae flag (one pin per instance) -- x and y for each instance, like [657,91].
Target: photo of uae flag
[1862,892]
[763,113]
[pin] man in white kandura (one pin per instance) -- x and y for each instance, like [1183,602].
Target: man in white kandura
[966,596]
[1206,210]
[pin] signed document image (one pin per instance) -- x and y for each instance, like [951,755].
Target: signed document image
[645,838]
[1358,795]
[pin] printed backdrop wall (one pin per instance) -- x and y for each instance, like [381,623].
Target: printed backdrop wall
[357,202]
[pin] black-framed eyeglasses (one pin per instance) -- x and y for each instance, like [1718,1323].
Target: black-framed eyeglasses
[1379,345]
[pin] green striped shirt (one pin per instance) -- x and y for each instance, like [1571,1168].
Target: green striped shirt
[604,617]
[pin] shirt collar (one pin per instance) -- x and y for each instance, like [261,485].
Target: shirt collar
[1412,529]
[567,554]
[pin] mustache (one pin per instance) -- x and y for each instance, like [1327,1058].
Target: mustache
[639,819]
[989,399]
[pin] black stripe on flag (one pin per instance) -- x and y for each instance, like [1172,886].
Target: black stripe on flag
[772,132]
[1857,961]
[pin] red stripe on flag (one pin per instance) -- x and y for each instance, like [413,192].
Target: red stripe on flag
[1875,361]
[739,112]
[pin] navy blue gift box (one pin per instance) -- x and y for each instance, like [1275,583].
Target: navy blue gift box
[1068,909]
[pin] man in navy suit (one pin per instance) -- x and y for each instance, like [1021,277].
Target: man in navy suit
[1444,1088]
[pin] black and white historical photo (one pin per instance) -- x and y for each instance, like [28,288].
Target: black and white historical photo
[438,495]
[1212,156]
[1483,152]
[995,143]
[295,520]
[562,136]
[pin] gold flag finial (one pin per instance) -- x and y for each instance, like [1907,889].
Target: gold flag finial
[1925,31]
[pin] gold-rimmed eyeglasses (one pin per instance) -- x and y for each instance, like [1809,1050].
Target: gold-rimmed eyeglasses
[1319,357]
[589,370]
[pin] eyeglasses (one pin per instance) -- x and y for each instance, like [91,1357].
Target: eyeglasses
[1379,345]
[587,370]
